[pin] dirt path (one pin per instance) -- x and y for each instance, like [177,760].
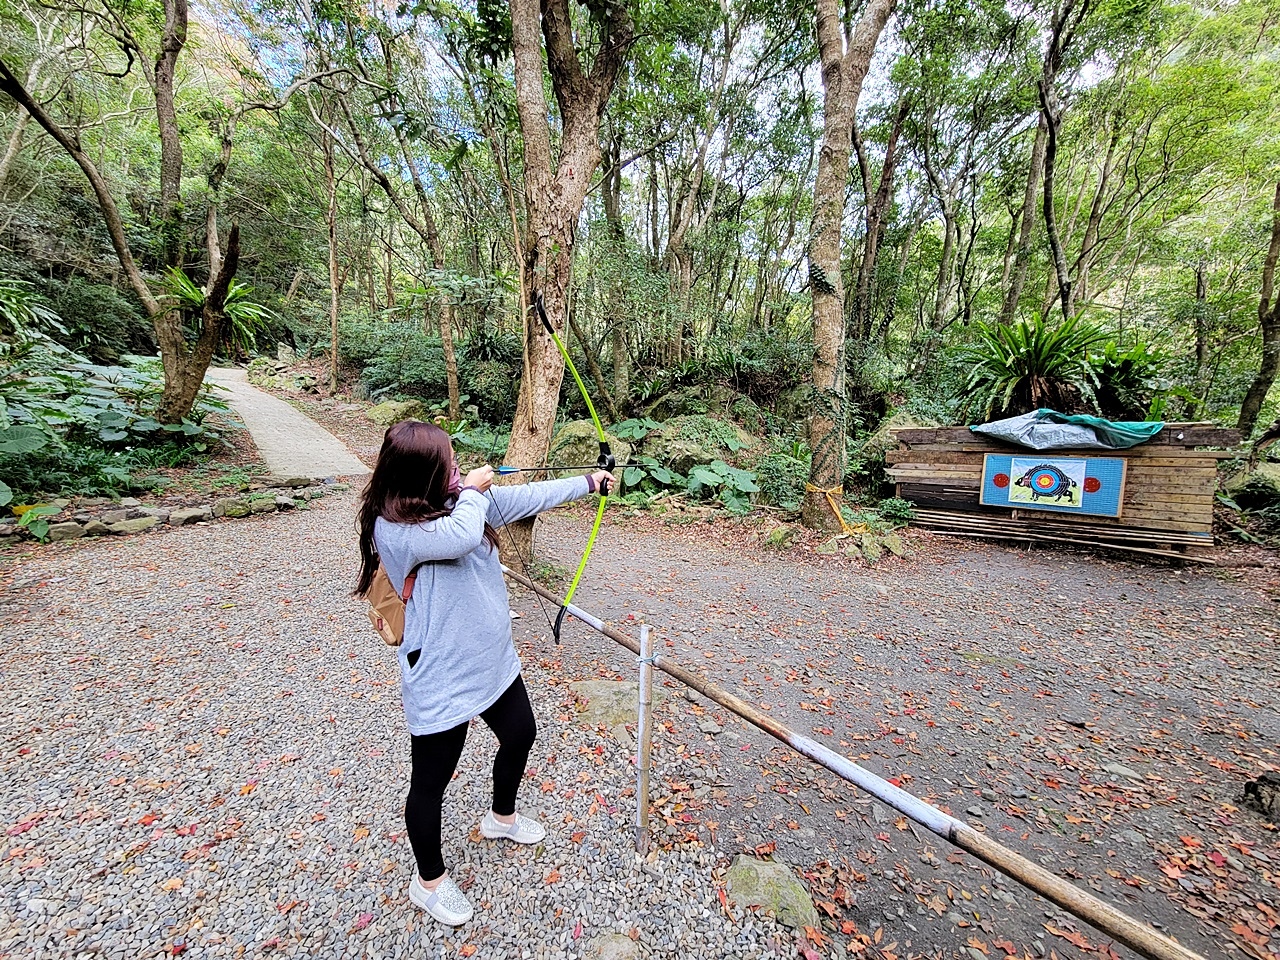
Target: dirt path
[1098,716]
[291,444]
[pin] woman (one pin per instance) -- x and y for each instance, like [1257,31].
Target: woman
[457,660]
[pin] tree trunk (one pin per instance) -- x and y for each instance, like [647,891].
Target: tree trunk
[15,144]
[615,314]
[845,61]
[1269,323]
[1052,116]
[171,215]
[331,225]
[877,208]
[555,190]
[1026,229]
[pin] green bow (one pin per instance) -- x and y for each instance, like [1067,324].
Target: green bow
[605,461]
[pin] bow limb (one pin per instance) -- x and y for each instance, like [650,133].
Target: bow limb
[604,462]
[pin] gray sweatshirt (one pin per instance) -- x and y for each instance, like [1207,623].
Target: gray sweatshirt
[459,615]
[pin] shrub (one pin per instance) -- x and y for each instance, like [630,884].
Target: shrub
[733,487]
[1129,384]
[781,475]
[897,510]
[395,357]
[100,321]
[1019,367]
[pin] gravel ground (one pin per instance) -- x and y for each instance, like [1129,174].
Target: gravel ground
[204,755]
[207,757]
[1097,715]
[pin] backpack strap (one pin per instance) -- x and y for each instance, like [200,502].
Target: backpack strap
[409,581]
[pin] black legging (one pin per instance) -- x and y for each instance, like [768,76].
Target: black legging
[435,756]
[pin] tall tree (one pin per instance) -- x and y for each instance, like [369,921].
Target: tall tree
[1269,327]
[846,57]
[558,169]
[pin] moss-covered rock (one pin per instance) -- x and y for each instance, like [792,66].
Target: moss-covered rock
[577,443]
[773,886]
[1256,487]
[393,411]
[683,443]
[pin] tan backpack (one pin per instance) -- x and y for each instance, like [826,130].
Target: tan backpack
[386,607]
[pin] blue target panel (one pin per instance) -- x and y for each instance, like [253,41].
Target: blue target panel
[1080,485]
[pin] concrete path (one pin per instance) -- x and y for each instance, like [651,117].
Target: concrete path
[291,443]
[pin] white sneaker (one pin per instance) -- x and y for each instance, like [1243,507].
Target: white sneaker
[523,830]
[447,903]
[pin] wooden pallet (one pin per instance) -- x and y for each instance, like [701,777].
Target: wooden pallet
[1004,525]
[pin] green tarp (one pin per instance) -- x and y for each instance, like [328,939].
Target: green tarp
[1049,430]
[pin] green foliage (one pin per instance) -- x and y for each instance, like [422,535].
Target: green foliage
[35,520]
[70,426]
[1129,383]
[245,318]
[634,429]
[1015,368]
[647,474]
[730,485]
[100,322]
[23,313]
[896,510]
[782,473]
[396,358]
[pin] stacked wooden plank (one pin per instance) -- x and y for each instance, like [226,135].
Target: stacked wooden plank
[1167,508]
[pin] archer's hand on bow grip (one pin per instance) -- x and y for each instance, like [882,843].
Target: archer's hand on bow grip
[601,480]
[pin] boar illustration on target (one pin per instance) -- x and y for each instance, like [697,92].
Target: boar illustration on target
[1045,481]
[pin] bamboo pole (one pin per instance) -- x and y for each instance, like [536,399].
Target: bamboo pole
[644,733]
[1138,936]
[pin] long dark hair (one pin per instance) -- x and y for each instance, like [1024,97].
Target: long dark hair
[410,484]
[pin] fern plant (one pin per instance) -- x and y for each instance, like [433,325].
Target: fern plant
[245,318]
[1023,366]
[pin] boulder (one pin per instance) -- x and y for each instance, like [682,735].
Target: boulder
[96,528]
[263,505]
[136,525]
[180,518]
[65,531]
[610,702]
[393,411]
[881,440]
[231,507]
[114,516]
[286,354]
[683,443]
[793,405]
[284,503]
[576,442]
[773,886]
[1255,487]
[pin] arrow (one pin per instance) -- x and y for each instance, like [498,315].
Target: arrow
[504,470]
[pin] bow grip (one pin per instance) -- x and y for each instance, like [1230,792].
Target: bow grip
[605,462]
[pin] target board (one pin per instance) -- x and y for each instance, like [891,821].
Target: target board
[1082,485]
